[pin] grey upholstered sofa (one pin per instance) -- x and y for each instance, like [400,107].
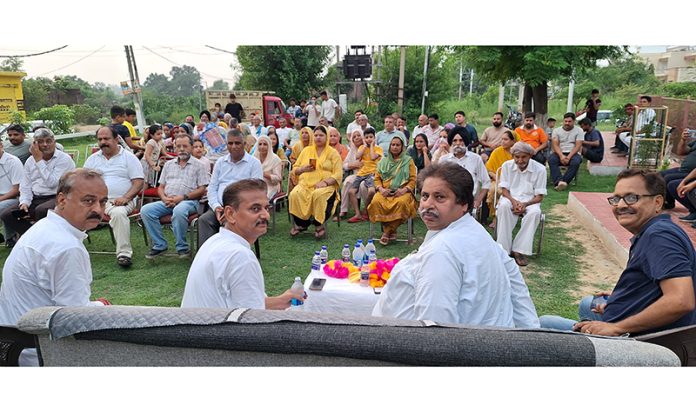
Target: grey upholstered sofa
[152,336]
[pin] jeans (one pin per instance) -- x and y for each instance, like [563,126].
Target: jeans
[560,323]
[673,175]
[555,166]
[151,214]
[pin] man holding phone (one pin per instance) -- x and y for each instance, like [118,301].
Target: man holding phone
[225,272]
[39,185]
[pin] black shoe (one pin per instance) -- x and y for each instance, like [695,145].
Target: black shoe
[691,217]
[184,254]
[124,261]
[153,253]
[668,205]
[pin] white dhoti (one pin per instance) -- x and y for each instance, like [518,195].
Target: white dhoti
[506,222]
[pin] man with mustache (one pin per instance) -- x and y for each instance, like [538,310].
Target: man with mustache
[123,174]
[470,161]
[49,265]
[459,274]
[493,135]
[656,289]
[225,272]
[535,136]
[37,189]
[523,186]
[182,184]
[236,166]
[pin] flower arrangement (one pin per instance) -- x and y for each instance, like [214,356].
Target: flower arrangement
[380,271]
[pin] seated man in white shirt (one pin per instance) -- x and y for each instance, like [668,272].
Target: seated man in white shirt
[123,174]
[37,190]
[11,172]
[458,275]
[471,162]
[236,166]
[523,186]
[225,272]
[49,265]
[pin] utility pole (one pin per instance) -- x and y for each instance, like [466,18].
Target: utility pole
[571,91]
[471,82]
[378,98]
[425,77]
[461,73]
[135,85]
[501,97]
[402,69]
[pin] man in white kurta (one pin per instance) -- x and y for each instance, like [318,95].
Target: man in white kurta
[49,265]
[124,176]
[523,186]
[459,274]
[225,272]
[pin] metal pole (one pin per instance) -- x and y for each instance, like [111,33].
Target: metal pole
[402,70]
[425,77]
[501,97]
[134,85]
[139,112]
[471,82]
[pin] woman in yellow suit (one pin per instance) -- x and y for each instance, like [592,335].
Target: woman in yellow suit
[395,181]
[317,174]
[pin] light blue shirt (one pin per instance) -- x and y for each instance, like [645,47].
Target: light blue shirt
[226,172]
[384,138]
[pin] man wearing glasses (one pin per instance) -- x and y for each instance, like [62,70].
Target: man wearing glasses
[656,289]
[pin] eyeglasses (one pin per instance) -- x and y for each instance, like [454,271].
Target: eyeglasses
[629,199]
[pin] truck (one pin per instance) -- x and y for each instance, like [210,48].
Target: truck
[263,103]
[11,96]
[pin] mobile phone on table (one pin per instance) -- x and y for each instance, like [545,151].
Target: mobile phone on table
[317,284]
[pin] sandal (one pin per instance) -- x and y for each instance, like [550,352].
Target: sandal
[520,259]
[296,230]
[384,240]
[320,232]
[392,236]
[356,219]
[124,261]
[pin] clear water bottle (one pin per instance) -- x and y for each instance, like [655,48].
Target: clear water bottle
[297,286]
[357,255]
[345,253]
[362,246]
[316,263]
[372,256]
[364,275]
[370,247]
[324,254]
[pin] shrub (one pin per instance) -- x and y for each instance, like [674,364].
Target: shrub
[85,114]
[59,118]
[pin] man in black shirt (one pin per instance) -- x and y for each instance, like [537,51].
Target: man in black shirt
[234,108]
[592,107]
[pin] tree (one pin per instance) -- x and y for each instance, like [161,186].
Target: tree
[290,71]
[158,83]
[536,66]
[220,85]
[185,81]
[11,64]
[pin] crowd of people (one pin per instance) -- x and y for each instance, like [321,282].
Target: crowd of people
[227,173]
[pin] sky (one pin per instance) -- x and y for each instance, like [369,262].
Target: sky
[107,63]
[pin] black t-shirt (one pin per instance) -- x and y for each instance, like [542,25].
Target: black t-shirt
[591,111]
[234,109]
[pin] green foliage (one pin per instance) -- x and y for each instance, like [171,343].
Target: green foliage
[104,121]
[186,81]
[220,85]
[290,71]
[164,107]
[17,117]
[36,92]
[11,64]
[59,118]
[684,90]
[85,114]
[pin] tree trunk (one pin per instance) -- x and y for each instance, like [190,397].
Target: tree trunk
[541,103]
[527,99]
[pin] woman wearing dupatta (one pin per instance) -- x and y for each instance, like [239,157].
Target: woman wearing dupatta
[395,181]
[500,155]
[317,173]
[306,138]
[271,164]
[335,142]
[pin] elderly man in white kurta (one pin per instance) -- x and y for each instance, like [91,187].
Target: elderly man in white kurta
[523,186]
[49,265]
[458,275]
[124,176]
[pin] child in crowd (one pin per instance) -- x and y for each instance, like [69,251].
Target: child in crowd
[369,153]
[154,149]
[199,154]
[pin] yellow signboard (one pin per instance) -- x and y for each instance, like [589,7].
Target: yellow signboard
[11,96]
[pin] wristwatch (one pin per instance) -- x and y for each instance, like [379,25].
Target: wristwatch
[186,196]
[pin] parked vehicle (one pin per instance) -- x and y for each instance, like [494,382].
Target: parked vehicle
[514,117]
[263,103]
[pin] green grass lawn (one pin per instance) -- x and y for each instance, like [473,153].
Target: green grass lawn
[551,277]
